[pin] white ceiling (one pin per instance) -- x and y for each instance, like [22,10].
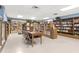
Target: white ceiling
[43,11]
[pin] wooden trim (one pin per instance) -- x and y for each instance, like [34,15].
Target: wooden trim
[1,32]
[68,35]
[2,46]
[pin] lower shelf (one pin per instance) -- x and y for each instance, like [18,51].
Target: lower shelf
[68,35]
[53,37]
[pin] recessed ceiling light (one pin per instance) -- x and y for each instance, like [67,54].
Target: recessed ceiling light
[69,8]
[19,16]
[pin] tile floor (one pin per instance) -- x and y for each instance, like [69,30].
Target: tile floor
[15,44]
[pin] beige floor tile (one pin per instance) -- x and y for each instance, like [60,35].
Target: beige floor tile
[15,44]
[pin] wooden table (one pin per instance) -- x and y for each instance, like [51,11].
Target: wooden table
[38,34]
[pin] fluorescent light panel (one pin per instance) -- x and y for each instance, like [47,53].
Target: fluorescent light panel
[33,18]
[46,18]
[69,7]
[19,16]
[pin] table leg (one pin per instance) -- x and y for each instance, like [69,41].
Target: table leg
[32,40]
[41,39]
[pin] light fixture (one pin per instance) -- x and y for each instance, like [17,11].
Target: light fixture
[33,18]
[46,18]
[50,20]
[69,8]
[19,16]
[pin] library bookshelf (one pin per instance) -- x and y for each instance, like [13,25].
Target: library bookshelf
[69,27]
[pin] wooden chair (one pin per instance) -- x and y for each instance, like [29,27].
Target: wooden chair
[27,37]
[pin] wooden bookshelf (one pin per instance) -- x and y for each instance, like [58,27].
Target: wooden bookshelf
[68,26]
[0,32]
[28,26]
[7,29]
[16,26]
[76,26]
[32,26]
[3,33]
[46,28]
[49,30]
[42,27]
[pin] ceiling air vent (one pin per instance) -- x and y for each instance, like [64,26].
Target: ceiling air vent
[55,13]
[35,7]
